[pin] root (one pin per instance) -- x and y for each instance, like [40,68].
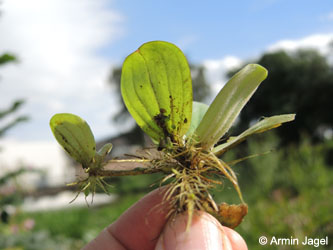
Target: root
[191,179]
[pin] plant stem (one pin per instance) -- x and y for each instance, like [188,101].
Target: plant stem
[125,167]
[136,171]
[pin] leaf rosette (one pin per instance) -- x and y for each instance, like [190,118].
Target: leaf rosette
[157,91]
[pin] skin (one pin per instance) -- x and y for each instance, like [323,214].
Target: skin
[145,226]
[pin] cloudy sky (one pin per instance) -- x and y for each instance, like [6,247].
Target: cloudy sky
[66,48]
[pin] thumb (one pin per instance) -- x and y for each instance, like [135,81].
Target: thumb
[204,233]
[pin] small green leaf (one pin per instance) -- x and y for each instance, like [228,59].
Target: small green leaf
[102,153]
[105,150]
[198,111]
[157,90]
[260,127]
[228,103]
[75,136]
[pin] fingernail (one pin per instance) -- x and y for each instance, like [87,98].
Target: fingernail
[204,233]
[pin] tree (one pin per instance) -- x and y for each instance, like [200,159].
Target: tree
[300,82]
[4,59]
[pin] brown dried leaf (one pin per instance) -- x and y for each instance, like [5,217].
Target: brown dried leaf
[231,215]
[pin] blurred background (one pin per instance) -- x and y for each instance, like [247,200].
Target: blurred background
[65,56]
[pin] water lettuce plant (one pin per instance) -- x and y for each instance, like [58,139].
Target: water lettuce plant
[157,90]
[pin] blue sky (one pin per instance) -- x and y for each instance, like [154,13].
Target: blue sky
[214,29]
[67,48]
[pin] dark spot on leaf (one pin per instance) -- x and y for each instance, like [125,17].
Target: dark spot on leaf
[162,111]
[141,86]
[160,120]
[64,138]
[185,120]
[66,149]
[94,148]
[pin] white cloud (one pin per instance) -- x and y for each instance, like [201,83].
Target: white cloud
[317,41]
[61,68]
[216,70]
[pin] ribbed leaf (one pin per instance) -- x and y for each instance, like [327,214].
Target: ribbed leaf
[75,136]
[157,89]
[260,127]
[228,103]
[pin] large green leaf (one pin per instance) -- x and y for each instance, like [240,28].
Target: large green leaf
[228,103]
[75,136]
[157,90]
[261,126]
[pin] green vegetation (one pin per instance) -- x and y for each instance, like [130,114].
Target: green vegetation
[299,82]
[15,106]
[288,192]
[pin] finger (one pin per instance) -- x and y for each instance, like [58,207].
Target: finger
[104,241]
[236,240]
[205,233]
[137,228]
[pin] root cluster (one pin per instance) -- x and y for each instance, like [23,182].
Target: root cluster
[192,172]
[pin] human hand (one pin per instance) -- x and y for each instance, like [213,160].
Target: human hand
[142,227]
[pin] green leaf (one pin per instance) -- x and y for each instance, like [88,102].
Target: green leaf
[74,135]
[198,111]
[157,90]
[102,153]
[228,103]
[260,127]
[105,150]
[5,58]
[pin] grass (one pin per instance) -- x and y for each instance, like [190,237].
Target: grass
[65,229]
